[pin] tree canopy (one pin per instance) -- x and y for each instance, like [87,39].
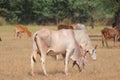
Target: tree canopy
[54,11]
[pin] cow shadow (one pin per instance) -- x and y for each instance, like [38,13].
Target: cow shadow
[49,73]
[56,72]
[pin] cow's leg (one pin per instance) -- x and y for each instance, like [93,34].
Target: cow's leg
[106,42]
[42,48]
[43,64]
[16,35]
[57,57]
[20,34]
[63,55]
[33,60]
[114,41]
[102,41]
[43,57]
[68,55]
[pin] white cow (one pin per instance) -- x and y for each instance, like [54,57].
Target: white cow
[84,41]
[50,42]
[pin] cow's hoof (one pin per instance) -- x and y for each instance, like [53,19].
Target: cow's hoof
[46,74]
[32,74]
[66,73]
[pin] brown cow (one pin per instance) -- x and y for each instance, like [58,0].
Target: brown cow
[64,26]
[108,33]
[22,29]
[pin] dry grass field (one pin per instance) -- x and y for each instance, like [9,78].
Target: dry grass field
[15,60]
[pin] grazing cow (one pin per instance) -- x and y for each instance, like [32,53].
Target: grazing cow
[63,26]
[22,29]
[50,42]
[109,33]
[84,41]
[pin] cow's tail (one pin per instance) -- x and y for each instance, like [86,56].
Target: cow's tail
[33,56]
[36,50]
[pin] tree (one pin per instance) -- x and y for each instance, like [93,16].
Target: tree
[114,8]
[43,11]
[116,22]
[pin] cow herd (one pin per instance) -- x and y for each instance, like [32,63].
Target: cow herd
[65,42]
[70,41]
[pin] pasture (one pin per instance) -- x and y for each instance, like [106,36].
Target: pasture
[15,60]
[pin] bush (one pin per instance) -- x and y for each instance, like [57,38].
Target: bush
[2,21]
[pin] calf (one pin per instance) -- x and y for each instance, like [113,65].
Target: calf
[22,29]
[50,42]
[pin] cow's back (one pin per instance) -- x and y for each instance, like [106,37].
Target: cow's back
[21,28]
[44,34]
[62,39]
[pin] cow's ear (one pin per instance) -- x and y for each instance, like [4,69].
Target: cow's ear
[74,63]
[95,46]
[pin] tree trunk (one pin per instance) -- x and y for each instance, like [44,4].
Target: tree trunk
[92,23]
[116,19]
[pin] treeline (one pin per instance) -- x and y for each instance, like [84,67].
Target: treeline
[56,11]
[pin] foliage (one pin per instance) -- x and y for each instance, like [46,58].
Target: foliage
[42,11]
[2,21]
